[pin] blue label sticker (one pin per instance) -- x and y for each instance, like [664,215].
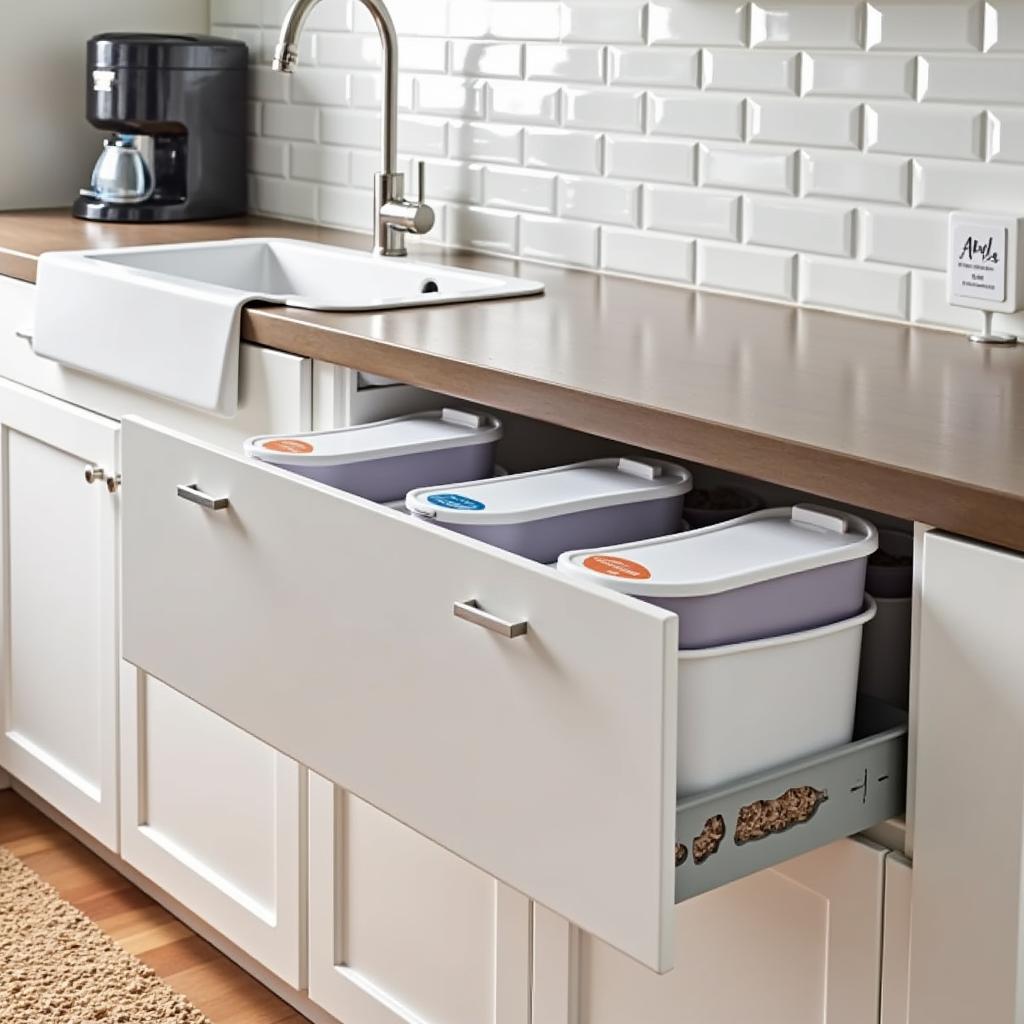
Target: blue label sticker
[459,501]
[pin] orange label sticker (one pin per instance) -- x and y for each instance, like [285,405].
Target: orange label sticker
[608,565]
[289,445]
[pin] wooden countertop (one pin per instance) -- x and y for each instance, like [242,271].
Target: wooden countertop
[915,423]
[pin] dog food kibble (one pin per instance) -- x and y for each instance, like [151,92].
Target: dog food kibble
[766,817]
[707,843]
[680,854]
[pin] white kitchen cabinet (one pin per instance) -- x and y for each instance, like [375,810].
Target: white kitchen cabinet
[58,673]
[215,818]
[896,940]
[796,944]
[403,932]
[967,945]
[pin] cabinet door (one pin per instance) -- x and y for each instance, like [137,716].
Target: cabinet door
[967,945]
[404,932]
[214,817]
[896,940]
[58,673]
[797,944]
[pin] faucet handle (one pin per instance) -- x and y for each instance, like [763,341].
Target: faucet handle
[421,182]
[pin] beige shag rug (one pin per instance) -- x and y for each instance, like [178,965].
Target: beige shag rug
[57,967]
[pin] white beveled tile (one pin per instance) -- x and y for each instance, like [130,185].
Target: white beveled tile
[524,102]
[806,122]
[561,150]
[584,64]
[692,211]
[831,23]
[648,254]
[345,50]
[455,181]
[698,22]
[518,189]
[867,75]
[235,12]
[411,18]
[605,109]
[469,19]
[918,130]
[340,127]
[906,238]
[1007,135]
[597,21]
[495,143]
[648,66]
[935,26]
[474,227]
[328,165]
[455,97]
[365,90]
[646,159]
[983,78]
[558,241]
[882,179]
[424,136]
[269,157]
[957,185]
[322,86]
[699,116]
[930,304]
[492,60]
[748,168]
[599,199]
[745,71]
[854,286]
[523,19]
[743,268]
[799,224]
[265,84]
[295,200]
[1009,28]
[283,121]
[420,54]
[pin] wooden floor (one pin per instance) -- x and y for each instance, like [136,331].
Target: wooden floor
[189,964]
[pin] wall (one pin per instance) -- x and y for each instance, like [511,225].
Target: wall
[50,147]
[800,152]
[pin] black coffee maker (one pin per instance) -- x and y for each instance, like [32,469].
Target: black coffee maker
[175,108]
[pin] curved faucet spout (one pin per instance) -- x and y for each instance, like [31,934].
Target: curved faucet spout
[286,55]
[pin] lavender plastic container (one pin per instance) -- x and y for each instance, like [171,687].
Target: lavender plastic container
[788,604]
[544,540]
[389,479]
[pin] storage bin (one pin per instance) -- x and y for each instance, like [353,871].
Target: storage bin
[765,574]
[383,461]
[540,514]
[747,707]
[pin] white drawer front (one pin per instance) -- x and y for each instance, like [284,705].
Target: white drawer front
[324,625]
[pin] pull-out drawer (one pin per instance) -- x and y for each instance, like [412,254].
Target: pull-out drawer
[341,633]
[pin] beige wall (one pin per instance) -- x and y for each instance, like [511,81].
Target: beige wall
[49,147]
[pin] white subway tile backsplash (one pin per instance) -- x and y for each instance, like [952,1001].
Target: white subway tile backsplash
[802,150]
[600,200]
[806,122]
[929,304]
[648,66]
[692,211]
[518,189]
[749,169]
[698,115]
[621,111]
[648,254]
[906,238]
[742,71]
[800,225]
[870,75]
[856,287]
[560,241]
[744,268]
[882,179]
[524,102]
[565,63]
[928,131]
[564,150]
[646,159]
[597,21]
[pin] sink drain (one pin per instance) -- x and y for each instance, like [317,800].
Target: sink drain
[429,286]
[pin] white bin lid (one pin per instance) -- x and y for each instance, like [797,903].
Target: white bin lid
[405,435]
[526,497]
[761,546]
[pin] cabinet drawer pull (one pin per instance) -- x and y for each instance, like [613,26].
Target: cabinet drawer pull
[472,612]
[191,492]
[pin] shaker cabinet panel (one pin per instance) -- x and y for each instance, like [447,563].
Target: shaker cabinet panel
[58,673]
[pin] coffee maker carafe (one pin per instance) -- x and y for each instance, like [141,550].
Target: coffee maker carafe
[175,110]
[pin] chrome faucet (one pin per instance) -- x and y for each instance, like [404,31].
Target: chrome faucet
[394,215]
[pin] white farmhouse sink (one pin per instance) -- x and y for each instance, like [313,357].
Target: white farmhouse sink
[165,318]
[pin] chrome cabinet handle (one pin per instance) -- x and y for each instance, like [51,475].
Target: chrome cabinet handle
[471,611]
[95,474]
[113,483]
[191,492]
